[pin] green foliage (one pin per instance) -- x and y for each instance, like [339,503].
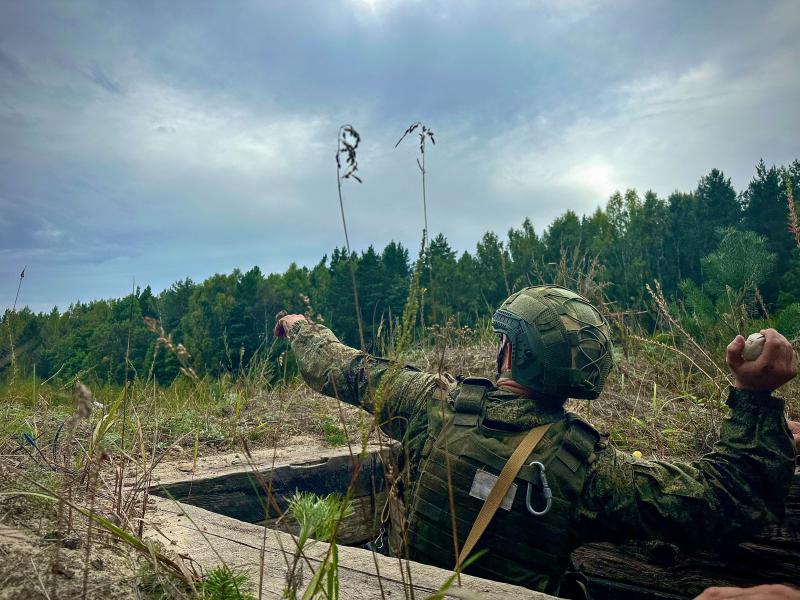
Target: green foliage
[224,583]
[318,517]
[741,262]
[334,434]
[788,321]
[220,583]
[225,322]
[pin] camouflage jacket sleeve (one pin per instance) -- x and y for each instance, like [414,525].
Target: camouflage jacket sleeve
[729,493]
[396,395]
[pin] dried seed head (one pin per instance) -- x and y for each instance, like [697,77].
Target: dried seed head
[85,401]
[348,142]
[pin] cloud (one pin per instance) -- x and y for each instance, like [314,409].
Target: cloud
[171,141]
[10,64]
[96,75]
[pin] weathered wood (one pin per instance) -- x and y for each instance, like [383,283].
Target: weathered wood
[657,570]
[265,554]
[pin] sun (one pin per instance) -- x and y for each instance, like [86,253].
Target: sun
[372,5]
[597,176]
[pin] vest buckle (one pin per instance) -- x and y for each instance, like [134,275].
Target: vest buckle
[546,492]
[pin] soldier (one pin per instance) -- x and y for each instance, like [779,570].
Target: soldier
[458,434]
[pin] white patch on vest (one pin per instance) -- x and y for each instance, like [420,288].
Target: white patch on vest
[483,484]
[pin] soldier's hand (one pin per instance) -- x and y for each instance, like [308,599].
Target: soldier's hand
[285,322]
[794,427]
[759,592]
[776,364]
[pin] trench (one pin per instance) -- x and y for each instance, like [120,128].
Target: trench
[636,571]
[243,495]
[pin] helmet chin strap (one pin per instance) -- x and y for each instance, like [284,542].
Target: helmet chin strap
[511,385]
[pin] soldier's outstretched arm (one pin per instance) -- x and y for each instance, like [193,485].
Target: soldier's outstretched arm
[729,493]
[395,394]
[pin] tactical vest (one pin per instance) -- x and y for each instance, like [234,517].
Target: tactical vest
[531,551]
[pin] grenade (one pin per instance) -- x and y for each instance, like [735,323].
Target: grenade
[753,346]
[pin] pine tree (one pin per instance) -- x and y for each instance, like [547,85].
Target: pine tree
[717,208]
[765,213]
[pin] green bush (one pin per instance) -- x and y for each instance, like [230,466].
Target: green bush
[788,321]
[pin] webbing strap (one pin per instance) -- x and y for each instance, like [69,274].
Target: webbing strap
[468,405]
[498,492]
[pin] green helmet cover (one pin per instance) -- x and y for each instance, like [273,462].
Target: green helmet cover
[560,343]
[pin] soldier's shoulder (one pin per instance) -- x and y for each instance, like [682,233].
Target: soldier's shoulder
[463,381]
[591,437]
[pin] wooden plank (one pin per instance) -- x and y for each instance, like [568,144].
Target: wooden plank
[207,537]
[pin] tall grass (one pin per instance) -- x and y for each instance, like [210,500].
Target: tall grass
[425,134]
[71,448]
[348,140]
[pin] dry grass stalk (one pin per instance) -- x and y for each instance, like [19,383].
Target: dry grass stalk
[680,352]
[794,226]
[425,134]
[10,329]
[179,350]
[348,140]
[95,464]
[762,305]
[663,311]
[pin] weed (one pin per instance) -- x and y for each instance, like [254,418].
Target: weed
[334,433]
[155,584]
[225,583]
[318,517]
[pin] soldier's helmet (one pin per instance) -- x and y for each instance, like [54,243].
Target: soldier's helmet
[560,343]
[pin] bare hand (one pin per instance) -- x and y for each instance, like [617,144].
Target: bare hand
[776,365]
[760,592]
[284,324]
[794,427]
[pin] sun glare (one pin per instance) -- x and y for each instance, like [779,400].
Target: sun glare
[596,176]
[372,5]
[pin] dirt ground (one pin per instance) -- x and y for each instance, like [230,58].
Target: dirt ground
[40,560]
[34,565]
[43,556]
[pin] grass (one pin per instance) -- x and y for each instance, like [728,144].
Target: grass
[333,432]
[664,399]
[68,451]
[661,402]
[220,583]
[54,443]
[318,517]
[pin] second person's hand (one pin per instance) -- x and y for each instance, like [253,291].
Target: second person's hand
[776,365]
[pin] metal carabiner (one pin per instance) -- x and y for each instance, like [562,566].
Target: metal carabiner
[379,540]
[546,492]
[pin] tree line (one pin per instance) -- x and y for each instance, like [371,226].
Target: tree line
[703,247]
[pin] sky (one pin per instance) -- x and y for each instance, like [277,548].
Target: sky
[152,141]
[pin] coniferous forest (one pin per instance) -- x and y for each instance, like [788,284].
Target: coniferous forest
[710,250]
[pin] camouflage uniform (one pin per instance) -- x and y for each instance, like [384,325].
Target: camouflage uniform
[731,492]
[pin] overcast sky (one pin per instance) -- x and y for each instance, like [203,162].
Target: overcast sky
[159,140]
